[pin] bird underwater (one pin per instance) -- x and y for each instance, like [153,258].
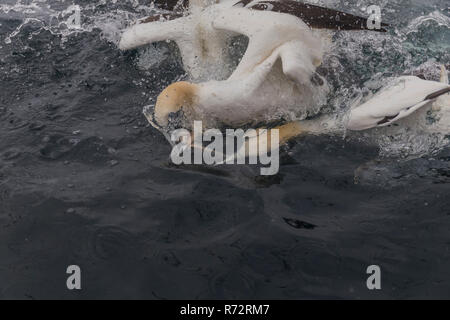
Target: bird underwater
[276,77]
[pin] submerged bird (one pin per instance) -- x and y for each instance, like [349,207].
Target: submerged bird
[275,78]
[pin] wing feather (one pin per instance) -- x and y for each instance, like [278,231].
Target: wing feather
[314,16]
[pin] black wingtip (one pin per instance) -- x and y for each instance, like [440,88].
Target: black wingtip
[315,16]
[437,94]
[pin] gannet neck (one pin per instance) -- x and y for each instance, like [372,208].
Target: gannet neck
[177,96]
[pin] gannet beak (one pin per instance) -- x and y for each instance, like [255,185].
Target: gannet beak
[149,114]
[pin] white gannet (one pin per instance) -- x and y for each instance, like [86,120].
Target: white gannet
[275,77]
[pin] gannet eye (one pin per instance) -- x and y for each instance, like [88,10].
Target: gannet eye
[263,6]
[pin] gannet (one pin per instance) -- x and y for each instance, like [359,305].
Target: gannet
[275,77]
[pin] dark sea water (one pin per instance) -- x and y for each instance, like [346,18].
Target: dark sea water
[85,181]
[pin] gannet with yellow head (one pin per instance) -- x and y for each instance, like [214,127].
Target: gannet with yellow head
[275,78]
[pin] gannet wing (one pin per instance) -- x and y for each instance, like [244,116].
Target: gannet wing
[406,96]
[266,32]
[299,62]
[314,16]
[245,84]
[153,29]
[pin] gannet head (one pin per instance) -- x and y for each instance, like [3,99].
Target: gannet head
[177,97]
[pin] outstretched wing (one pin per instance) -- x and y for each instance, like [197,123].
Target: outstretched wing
[314,16]
[153,29]
[405,97]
